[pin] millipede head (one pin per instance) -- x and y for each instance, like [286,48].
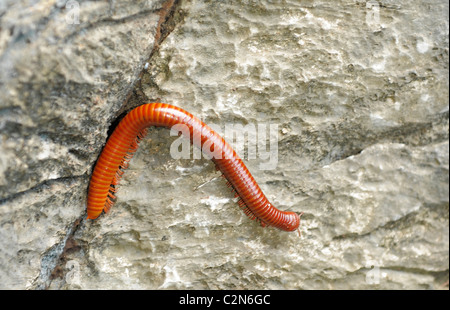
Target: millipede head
[292,221]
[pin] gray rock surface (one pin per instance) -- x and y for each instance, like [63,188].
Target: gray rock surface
[65,69]
[358,90]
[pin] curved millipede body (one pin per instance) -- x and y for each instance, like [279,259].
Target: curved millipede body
[123,142]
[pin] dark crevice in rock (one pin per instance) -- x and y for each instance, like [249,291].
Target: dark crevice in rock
[54,260]
[170,17]
[39,187]
[339,147]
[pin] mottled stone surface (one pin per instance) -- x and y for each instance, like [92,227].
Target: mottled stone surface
[358,90]
[65,69]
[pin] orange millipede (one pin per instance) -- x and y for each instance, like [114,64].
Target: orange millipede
[123,143]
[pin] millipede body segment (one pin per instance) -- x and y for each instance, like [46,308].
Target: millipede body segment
[123,142]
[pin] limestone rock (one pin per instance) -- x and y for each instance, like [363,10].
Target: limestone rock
[358,91]
[65,69]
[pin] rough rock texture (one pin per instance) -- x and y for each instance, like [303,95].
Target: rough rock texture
[358,90]
[65,69]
